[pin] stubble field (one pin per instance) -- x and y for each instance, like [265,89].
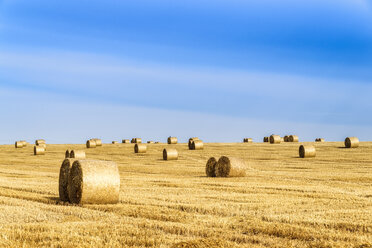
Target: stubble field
[284,201]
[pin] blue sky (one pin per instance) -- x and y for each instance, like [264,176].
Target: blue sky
[221,70]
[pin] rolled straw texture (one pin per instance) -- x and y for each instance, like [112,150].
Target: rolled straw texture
[140,148]
[94,182]
[275,139]
[319,140]
[210,167]
[172,140]
[266,139]
[39,150]
[247,140]
[63,179]
[230,167]
[77,154]
[67,154]
[191,140]
[39,141]
[98,142]
[293,138]
[91,143]
[125,141]
[19,144]
[170,154]
[307,151]
[197,145]
[351,142]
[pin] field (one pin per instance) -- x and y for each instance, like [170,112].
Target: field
[284,201]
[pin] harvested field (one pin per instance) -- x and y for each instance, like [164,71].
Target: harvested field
[284,201]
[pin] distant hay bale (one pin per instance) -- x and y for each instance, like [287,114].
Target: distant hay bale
[275,139]
[156,142]
[210,167]
[19,144]
[293,138]
[172,140]
[114,142]
[140,148]
[24,143]
[266,139]
[286,138]
[150,142]
[197,145]
[94,182]
[247,140]
[136,140]
[91,143]
[98,142]
[190,141]
[43,145]
[307,151]
[77,154]
[63,179]
[67,154]
[230,167]
[319,140]
[39,141]
[170,154]
[39,150]
[351,142]
[125,141]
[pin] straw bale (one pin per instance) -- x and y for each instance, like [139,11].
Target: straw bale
[307,151]
[275,139]
[140,148]
[77,154]
[351,142]
[210,167]
[172,140]
[230,167]
[39,150]
[170,154]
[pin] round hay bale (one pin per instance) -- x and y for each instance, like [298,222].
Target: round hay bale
[140,148]
[24,143]
[136,140]
[266,139]
[94,182]
[351,142]
[172,140]
[197,145]
[230,167]
[150,142]
[39,150]
[125,141]
[293,138]
[275,139]
[247,140]
[210,167]
[77,154]
[170,154]
[114,142]
[286,138]
[319,140]
[19,144]
[67,154]
[307,151]
[63,179]
[190,141]
[156,142]
[98,142]
[91,143]
[39,141]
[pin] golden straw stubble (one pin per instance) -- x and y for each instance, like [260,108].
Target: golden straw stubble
[39,150]
[91,143]
[77,154]
[307,151]
[172,140]
[230,167]
[170,154]
[275,139]
[140,148]
[210,167]
[351,142]
[94,182]
[63,179]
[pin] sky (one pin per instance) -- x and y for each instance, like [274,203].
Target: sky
[219,70]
